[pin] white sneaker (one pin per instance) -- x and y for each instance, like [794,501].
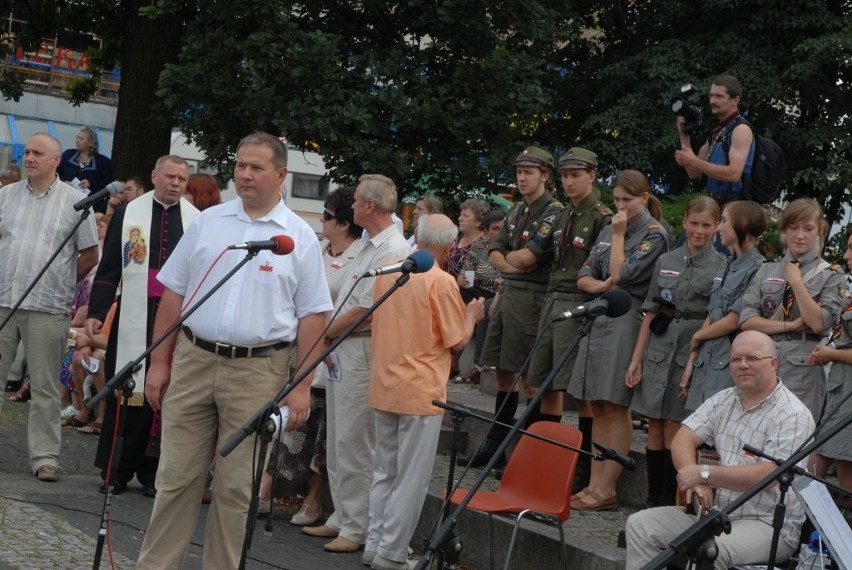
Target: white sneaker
[68,412]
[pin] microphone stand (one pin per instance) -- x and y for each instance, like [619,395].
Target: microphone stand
[605,455]
[784,481]
[717,521]
[124,381]
[260,421]
[83,215]
[444,540]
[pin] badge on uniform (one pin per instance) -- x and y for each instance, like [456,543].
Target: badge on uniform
[669,273]
[666,294]
[525,235]
[579,241]
[336,265]
[644,247]
[769,304]
[557,233]
[266,267]
[544,229]
[603,244]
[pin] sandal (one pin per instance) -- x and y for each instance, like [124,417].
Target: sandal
[302,518]
[579,495]
[22,395]
[591,501]
[93,428]
[74,422]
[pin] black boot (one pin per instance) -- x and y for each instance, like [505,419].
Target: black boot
[654,464]
[583,473]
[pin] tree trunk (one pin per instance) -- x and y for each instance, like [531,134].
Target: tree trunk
[141,135]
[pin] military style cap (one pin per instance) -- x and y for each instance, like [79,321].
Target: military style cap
[578,158]
[535,156]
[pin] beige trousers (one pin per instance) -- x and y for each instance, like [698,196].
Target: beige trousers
[44,336]
[208,400]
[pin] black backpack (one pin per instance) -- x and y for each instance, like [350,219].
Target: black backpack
[768,167]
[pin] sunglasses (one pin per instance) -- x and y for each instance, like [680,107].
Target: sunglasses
[327,215]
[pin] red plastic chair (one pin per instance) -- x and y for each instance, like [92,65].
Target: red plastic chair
[537,482]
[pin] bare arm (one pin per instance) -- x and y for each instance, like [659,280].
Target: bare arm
[723,327]
[500,262]
[634,370]
[809,309]
[523,260]
[741,140]
[594,286]
[159,374]
[473,312]
[87,259]
[299,400]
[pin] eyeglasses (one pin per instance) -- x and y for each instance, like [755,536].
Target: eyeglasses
[327,215]
[750,358]
[131,189]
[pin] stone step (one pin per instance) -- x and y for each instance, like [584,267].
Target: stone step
[632,485]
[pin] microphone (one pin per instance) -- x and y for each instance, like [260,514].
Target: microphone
[110,189]
[625,461]
[613,303]
[418,262]
[279,245]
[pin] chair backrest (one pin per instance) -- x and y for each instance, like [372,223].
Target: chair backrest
[544,469]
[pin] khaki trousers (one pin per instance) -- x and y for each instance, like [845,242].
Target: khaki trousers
[44,336]
[208,400]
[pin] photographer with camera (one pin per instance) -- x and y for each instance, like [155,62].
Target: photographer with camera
[728,152]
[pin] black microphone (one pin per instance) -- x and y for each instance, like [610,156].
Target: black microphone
[279,245]
[418,262]
[110,189]
[624,460]
[613,303]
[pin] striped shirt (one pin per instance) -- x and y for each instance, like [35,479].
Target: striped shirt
[778,425]
[31,228]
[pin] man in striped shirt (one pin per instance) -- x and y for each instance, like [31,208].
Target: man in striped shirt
[36,215]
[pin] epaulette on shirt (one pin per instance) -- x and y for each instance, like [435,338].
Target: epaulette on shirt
[654,226]
[603,210]
[836,267]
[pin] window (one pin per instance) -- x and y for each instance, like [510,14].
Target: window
[310,186]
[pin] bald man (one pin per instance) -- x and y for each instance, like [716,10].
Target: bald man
[414,334]
[759,411]
[36,215]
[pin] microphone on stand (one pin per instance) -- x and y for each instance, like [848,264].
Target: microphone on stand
[110,189]
[279,245]
[608,453]
[418,262]
[613,304]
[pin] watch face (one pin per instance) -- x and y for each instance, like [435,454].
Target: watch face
[705,472]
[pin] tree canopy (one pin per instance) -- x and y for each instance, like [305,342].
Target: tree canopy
[443,94]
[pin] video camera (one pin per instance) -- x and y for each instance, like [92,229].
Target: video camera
[688,106]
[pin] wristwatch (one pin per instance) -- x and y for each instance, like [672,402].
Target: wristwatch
[705,473]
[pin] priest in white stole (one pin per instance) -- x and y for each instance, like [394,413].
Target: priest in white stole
[139,240]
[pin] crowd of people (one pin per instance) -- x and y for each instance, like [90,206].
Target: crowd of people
[717,341]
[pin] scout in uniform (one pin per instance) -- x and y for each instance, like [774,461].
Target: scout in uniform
[708,371]
[795,300]
[575,231]
[624,258]
[675,307]
[521,253]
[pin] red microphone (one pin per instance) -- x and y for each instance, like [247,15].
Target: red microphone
[279,245]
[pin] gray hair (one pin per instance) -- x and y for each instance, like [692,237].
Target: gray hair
[380,189]
[435,231]
[93,138]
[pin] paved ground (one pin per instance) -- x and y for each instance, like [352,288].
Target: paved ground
[55,525]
